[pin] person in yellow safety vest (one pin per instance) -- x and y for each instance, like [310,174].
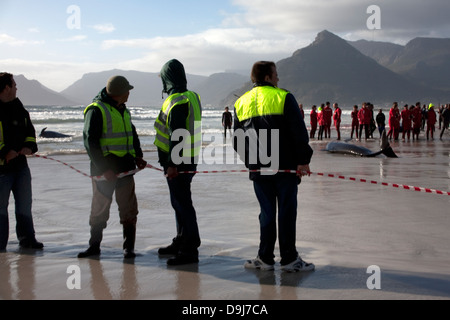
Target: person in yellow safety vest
[263,113]
[113,146]
[179,139]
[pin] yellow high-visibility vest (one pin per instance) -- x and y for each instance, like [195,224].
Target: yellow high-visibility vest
[193,123]
[117,137]
[261,101]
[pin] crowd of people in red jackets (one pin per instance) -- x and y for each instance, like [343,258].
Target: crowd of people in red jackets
[410,121]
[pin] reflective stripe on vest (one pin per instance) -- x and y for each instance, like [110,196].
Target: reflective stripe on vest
[193,123]
[117,136]
[261,101]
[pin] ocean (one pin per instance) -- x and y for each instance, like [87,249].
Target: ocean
[69,121]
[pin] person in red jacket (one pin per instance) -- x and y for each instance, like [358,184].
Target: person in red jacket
[327,116]
[431,121]
[313,122]
[337,120]
[364,117]
[355,122]
[417,120]
[406,122]
[394,122]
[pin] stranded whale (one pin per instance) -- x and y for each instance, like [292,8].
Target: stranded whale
[352,149]
[52,134]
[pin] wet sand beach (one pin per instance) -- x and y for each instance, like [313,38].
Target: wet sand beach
[344,227]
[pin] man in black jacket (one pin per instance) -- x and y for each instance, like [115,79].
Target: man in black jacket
[273,125]
[17,140]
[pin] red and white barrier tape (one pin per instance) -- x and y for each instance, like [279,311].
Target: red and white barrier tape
[394,185]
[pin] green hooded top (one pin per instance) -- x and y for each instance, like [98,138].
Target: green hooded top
[173,77]
[174,81]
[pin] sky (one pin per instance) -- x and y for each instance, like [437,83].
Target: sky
[56,41]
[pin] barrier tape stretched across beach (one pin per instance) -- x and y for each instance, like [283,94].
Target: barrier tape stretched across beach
[149,166]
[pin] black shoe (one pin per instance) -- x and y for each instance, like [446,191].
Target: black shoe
[31,244]
[171,250]
[91,251]
[129,254]
[182,259]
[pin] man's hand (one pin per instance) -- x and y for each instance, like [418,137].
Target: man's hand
[110,176]
[26,152]
[141,163]
[172,172]
[303,170]
[11,156]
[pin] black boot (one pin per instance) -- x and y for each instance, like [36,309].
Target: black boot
[129,239]
[171,250]
[94,243]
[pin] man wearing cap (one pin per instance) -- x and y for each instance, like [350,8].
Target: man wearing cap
[113,146]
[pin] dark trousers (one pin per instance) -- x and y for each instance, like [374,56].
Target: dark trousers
[20,184]
[272,192]
[188,237]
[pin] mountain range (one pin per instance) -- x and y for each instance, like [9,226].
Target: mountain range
[329,69]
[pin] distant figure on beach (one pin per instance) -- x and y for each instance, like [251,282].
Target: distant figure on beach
[406,122]
[381,122]
[364,117]
[277,110]
[440,111]
[424,116]
[431,121]
[394,122]
[181,112]
[17,140]
[302,111]
[113,146]
[445,119]
[313,122]
[321,122]
[227,121]
[355,122]
[327,117]
[417,121]
[337,120]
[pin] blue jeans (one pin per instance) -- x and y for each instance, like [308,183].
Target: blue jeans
[188,236]
[20,184]
[281,191]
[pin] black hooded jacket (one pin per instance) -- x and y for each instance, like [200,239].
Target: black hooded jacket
[16,131]
[174,81]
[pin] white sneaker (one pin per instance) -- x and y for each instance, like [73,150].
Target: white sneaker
[258,264]
[298,266]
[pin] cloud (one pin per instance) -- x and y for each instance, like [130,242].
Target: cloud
[104,28]
[11,41]
[210,51]
[52,74]
[401,20]
[74,38]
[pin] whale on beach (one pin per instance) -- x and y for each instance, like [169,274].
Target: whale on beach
[352,149]
[52,134]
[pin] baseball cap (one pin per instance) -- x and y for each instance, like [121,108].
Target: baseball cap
[118,85]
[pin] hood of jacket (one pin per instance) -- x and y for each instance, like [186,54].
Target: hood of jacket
[173,77]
